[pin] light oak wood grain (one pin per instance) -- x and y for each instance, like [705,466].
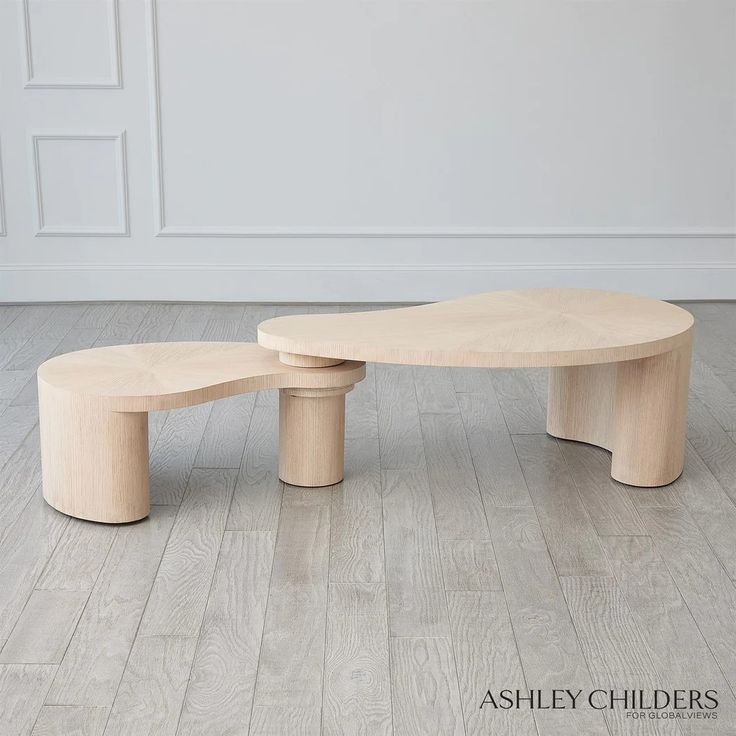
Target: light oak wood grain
[521,328]
[94,427]
[424,688]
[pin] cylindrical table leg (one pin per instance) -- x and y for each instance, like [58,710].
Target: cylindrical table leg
[94,461]
[649,418]
[312,436]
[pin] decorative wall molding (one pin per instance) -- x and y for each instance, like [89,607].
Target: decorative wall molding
[114,82]
[45,230]
[387,282]
[164,229]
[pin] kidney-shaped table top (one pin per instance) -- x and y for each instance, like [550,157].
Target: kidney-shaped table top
[501,329]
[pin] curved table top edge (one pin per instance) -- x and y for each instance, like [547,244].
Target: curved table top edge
[279,376]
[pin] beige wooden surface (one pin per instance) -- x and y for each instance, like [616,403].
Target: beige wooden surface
[501,329]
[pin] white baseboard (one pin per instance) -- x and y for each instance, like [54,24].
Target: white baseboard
[352,283]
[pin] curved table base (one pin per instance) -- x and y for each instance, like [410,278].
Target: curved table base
[636,409]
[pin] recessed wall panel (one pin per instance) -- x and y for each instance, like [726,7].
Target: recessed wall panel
[71,43]
[436,117]
[81,184]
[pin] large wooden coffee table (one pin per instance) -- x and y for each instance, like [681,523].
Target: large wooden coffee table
[619,363]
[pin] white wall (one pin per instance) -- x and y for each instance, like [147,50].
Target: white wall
[385,150]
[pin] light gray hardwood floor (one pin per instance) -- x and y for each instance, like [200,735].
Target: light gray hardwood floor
[465,550]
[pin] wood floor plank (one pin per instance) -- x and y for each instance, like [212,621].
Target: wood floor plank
[20,478]
[277,720]
[357,689]
[173,456]
[22,690]
[701,494]
[61,320]
[435,390]
[258,490]
[44,628]
[191,323]
[97,315]
[179,595]
[570,534]
[222,683]
[458,508]
[361,408]
[678,650]
[29,321]
[614,647]
[518,402]
[485,653]
[16,423]
[121,327]
[399,429]
[713,445]
[78,557]
[156,324]
[90,672]
[714,394]
[469,564]
[356,524]
[253,315]
[70,720]
[223,441]
[425,692]
[75,339]
[151,693]
[33,352]
[292,652]
[415,589]
[706,588]
[548,645]
[12,383]
[495,463]
[607,502]
[25,549]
